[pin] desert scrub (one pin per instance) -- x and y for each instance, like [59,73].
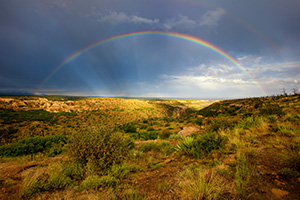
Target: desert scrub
[272,109]
[289,173]
[165,134]
[292,160]
[148,135]
[129,128]
[95,181]
[175,137]
[220,124]
[162,146]
[32,145]
[284,130]
[145,135]
[122,170]
[200,184]
[10,116]
[57,180]
[244,171]
[199,146]
[293,118]
[45,179]
[186,145]
[99,147]
[73,170]
[249,122]
[34,183]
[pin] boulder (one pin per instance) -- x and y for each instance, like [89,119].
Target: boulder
[188,130]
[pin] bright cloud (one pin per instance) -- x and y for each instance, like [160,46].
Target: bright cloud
[212,17]
[219,78]
[116,18]
[180,22]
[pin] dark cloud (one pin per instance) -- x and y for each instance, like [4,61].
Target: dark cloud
[36,36]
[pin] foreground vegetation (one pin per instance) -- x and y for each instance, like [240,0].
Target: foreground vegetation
[152,149]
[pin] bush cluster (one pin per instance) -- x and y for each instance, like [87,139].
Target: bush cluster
[199,146]
[162,146]
[99,147]
[146,135]
[129,128]
[219,124]
[165,134]
[272,110]
[10,116]
[32,145]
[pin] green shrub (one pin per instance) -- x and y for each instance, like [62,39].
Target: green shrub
[155,165]
[209,111]
[201,145]
[100,147]
[129,128]
[205,143]
[249,122]
[151,135]
[10,116]
[91,182]
[122,170]
[109,181]
[185,146]
[32,145]
[150,128]
[272,109]
[169,149]
[143,126]
[135,136]
[272,118]
[74,170]
[58,181]
[221,124]
[7,134]
[176,137]
[199,121]
[55,150]
[94,182]
[293,118]
[289,173]
[148,135]
[283,130]
[165,134]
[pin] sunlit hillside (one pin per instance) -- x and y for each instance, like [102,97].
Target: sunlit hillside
[107,148]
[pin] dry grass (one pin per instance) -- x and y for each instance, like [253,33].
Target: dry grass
[200,184]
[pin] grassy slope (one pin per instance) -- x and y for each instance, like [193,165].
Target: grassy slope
[260,157]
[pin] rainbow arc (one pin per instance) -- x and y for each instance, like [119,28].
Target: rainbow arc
[185,37]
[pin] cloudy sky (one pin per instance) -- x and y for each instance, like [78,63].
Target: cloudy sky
[38,37]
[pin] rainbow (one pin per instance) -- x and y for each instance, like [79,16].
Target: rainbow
[169,34]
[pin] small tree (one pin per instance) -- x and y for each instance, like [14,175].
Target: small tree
[295,91]
[99,147]
[284,92]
